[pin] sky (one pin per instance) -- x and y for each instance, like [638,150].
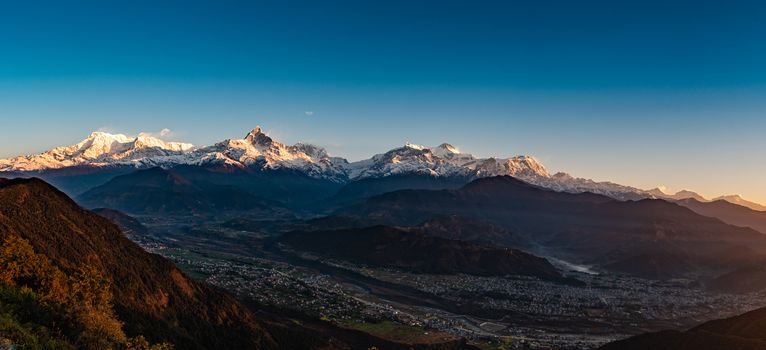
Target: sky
[643,93]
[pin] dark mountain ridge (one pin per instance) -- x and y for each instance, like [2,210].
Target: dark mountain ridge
[129,225]
[166,191]
[466,229]
[586,227]
[743,332]
[730,213]
[76,179]
[358,190]
[418,252]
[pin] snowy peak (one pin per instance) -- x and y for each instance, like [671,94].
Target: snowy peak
[445,150]
[258,150]
[680,195]
[686,194]
[442,160]
[258,138]
[94,146]
[449,148]
[657,193]
[527,164]
[98,143]
[310,150]
[731,197]
[144,140]
[414,146]
[253,133]
[446,160]
[737,199]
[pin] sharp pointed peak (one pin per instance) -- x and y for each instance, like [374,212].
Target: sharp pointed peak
[255,131]
[448,147]
[258,137]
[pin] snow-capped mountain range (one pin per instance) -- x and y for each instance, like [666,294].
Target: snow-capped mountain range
[259,151]
[101,149]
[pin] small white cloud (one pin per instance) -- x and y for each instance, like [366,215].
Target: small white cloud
[164,132]
[308,113]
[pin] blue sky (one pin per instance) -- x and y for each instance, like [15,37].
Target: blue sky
[644,93]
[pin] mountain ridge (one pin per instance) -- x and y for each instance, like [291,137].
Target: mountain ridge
[416,251]
[259,151]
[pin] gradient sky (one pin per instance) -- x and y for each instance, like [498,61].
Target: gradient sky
[643,93]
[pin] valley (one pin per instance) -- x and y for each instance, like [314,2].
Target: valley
[517,310]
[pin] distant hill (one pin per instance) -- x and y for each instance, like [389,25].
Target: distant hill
[358,190]
[466,229]
[128,224]
[161,191]
[743,332]
[585,227]
[200,190]
[744,280]
[728,212]
[415,251]
[453,227]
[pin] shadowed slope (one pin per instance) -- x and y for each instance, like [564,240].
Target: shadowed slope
[157,190]
[730,213]
[743,332]
[151,296]
[415,251]
[585,227]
